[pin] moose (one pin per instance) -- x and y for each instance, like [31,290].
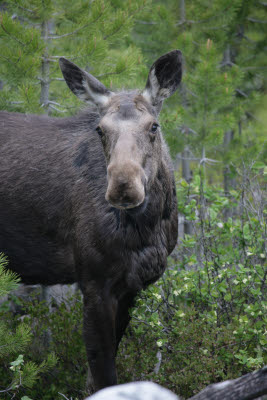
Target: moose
[91,199]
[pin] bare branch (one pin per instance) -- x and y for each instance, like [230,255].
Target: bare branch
[248,68]
[157,366]
[57,79]
[239,91]
[61,394]
[256,20]
[26,9]
[56,109]
[205,160]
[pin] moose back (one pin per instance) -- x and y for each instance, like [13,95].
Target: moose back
[91,199]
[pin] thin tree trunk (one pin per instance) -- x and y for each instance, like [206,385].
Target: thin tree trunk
[186,171]
[182,10]
[227,180]
[44,101]
[45,296]
[228,137]
[45,68]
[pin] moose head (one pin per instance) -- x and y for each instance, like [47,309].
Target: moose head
[129,127]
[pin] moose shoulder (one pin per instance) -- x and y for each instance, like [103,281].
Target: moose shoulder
[91,199]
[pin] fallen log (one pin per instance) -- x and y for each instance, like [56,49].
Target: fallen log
[248,387]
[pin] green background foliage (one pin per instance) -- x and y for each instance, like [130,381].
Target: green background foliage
[204,321]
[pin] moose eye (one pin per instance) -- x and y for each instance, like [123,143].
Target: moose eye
[154,128]
[99,131]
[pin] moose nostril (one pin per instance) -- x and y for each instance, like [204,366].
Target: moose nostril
[125,204]
[123,185]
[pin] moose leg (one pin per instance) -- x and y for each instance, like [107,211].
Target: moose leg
[123,316]
[99,334]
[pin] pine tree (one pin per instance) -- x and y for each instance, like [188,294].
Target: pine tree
[34,34]
[234,61]
[22,374]
[232,35]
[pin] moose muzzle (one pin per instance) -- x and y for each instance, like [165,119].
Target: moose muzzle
[126,185]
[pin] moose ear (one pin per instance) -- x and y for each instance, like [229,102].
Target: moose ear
[84,85]
[163,78]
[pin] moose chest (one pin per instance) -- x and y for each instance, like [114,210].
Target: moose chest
[123,248]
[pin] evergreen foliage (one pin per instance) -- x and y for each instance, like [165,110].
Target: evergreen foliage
[224,74]
[34,34]
[8,280]
[15,340]
[64,323]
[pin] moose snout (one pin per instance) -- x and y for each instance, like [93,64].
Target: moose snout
[126,185]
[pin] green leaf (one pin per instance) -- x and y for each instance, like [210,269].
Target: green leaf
[259,165]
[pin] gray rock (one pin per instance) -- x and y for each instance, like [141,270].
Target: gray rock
[134,391]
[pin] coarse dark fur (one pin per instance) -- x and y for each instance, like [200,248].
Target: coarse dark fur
[57,227]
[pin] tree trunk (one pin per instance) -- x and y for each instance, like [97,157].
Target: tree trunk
[182,10]
[186,171]
[45,68]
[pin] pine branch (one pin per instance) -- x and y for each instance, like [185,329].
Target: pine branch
[114,32]
[78,29]
[110,73]
[145,22]
[201,21]
[70,33]
[23,8]
[9,34]
[129,17]
[9,61]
